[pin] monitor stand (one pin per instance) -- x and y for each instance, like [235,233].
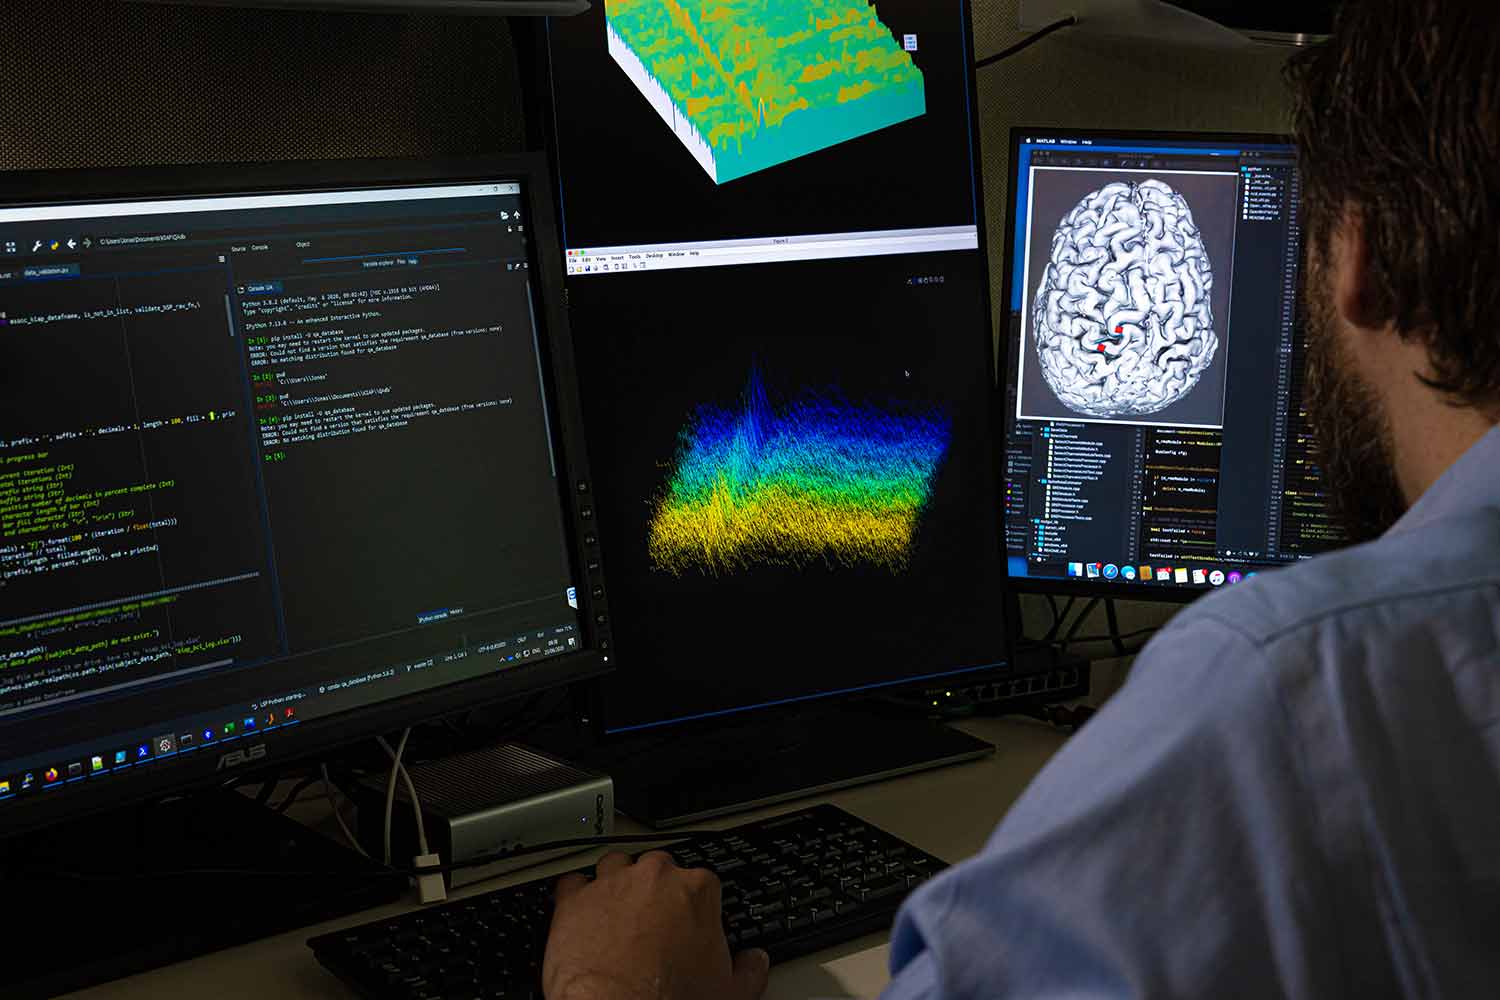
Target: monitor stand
[683,774]
[116,894]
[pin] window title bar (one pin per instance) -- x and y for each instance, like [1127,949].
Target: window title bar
[231,203]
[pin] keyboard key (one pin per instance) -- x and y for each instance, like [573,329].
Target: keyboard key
[886,885]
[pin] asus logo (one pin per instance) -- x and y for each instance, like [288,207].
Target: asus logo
[235,758]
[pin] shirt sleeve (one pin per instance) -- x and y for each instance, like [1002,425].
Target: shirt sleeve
[1170,849]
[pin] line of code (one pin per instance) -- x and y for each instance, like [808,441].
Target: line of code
[114,313]
[121,497]
[1180,494]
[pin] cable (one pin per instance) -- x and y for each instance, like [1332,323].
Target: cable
[390,794]
[1106,637]
[1088,609]
[431,888]
[1113,635]
[339,816]
[295,793]
[1113,619]
[1058,619]
[1029,40]
[267,787]
[398,769]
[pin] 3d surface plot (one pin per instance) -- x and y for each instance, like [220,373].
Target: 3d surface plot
[816,479]
[749,84]
[1122,322]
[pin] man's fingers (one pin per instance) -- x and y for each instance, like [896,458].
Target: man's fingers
[751,971]
[612,862]
[706,885]
[569,884]
[661,859]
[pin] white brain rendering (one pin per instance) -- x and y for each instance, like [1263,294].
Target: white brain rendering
[1122,322]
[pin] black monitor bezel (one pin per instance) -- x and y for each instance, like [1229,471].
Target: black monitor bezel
[1004,344]
[320,735]
[535,58]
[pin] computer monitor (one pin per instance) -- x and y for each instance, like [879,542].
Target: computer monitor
[778,288]
[289,455]
[1158,445]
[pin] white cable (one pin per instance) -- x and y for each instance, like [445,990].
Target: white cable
[390,786]
[397,768]
[329,790]
[430,888]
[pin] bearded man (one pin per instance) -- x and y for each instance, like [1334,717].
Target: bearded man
[1297,793]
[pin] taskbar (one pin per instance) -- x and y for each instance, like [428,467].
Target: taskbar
[225,730]
[1155,575]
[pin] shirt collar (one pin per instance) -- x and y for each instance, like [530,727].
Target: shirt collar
[1470,483]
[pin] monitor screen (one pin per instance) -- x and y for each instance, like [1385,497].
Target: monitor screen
[782,321]
[1158,445]
[727,134]
[268,459]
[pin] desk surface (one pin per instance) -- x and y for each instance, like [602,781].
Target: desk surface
[948,812]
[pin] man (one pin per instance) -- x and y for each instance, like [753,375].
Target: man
[1298,792]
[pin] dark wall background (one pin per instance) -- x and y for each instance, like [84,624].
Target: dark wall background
[113,82]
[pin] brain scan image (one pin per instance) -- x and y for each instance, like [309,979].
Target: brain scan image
[1123,325]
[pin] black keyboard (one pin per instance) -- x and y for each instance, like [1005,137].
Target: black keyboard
[792,885]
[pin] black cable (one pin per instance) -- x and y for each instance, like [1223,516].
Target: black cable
[1108,637]
[296,792]
[1083,615]
[1029,40]
[1059,619]
[267,787]
[1113,619]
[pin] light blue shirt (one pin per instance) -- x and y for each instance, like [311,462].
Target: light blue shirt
[1296,794]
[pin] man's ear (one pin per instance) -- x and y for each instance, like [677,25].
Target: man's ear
[1351,273]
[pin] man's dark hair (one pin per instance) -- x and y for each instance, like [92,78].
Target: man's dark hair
[1397,116]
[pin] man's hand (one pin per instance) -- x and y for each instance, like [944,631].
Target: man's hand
[645,930]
